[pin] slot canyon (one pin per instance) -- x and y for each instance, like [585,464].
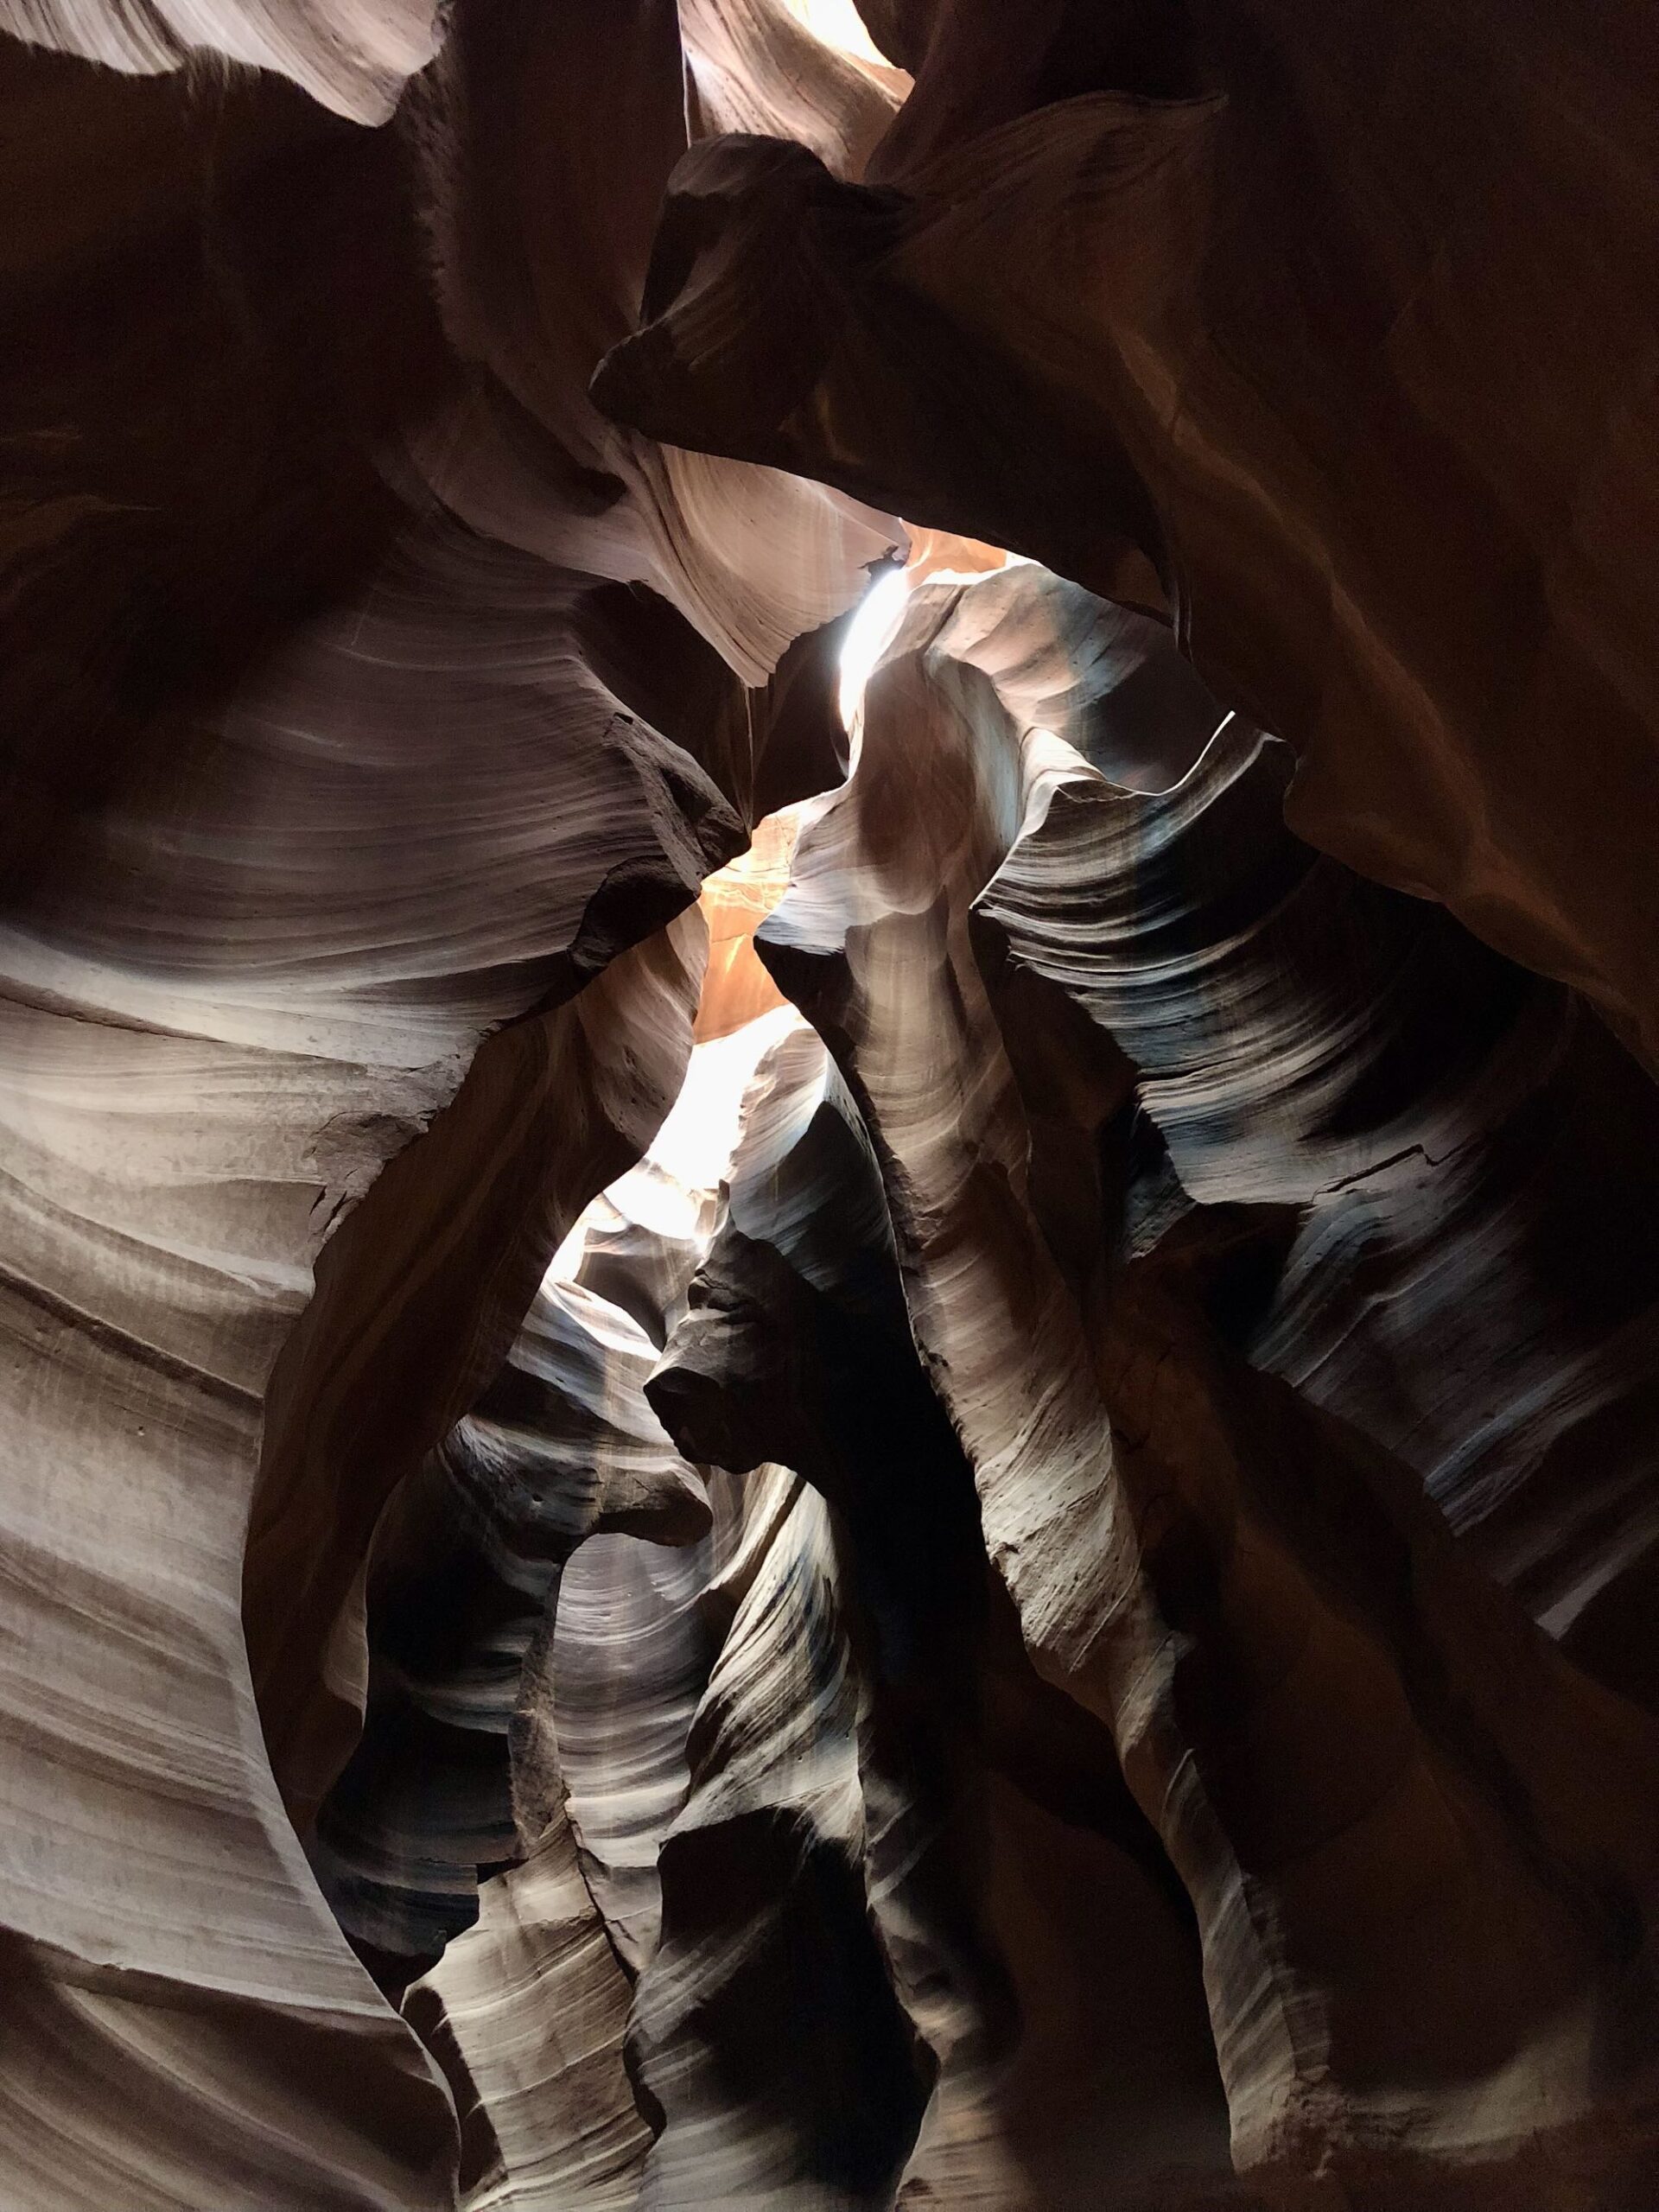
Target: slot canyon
[829,1147]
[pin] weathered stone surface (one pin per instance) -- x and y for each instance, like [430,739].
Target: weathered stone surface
[1371,1771]
[343,827]
[1329,334]
[817,1400]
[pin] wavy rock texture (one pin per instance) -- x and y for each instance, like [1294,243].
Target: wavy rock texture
[747,1460]
[353,60]
[1367,1864]
[1371,1771]
[983,1801]
[465,1572]
[529,2007]
[1330,335]
[1435,1117]
[459,1772]
[341,826]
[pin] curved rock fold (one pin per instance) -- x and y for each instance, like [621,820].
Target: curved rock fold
[826,1342]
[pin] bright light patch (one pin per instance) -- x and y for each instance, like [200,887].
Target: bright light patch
[868,635]
[692,1150]
[670,1190]
[695,1143]
[838,23]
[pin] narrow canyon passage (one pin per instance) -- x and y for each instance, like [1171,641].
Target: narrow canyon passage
[829,1149]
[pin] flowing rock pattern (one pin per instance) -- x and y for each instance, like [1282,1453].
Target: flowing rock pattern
[1435,1117]
[827,1384]
[1329,335]
[329,800]
[796,1346]
[1370,1770]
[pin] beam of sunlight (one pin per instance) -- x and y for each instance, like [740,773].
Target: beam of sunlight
[868,635]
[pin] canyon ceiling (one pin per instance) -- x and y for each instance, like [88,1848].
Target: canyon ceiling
[828,1148]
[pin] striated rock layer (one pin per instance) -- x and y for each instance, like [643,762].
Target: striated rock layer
[1419,1843]
[825,1386]
[1329,335]
[347,822]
